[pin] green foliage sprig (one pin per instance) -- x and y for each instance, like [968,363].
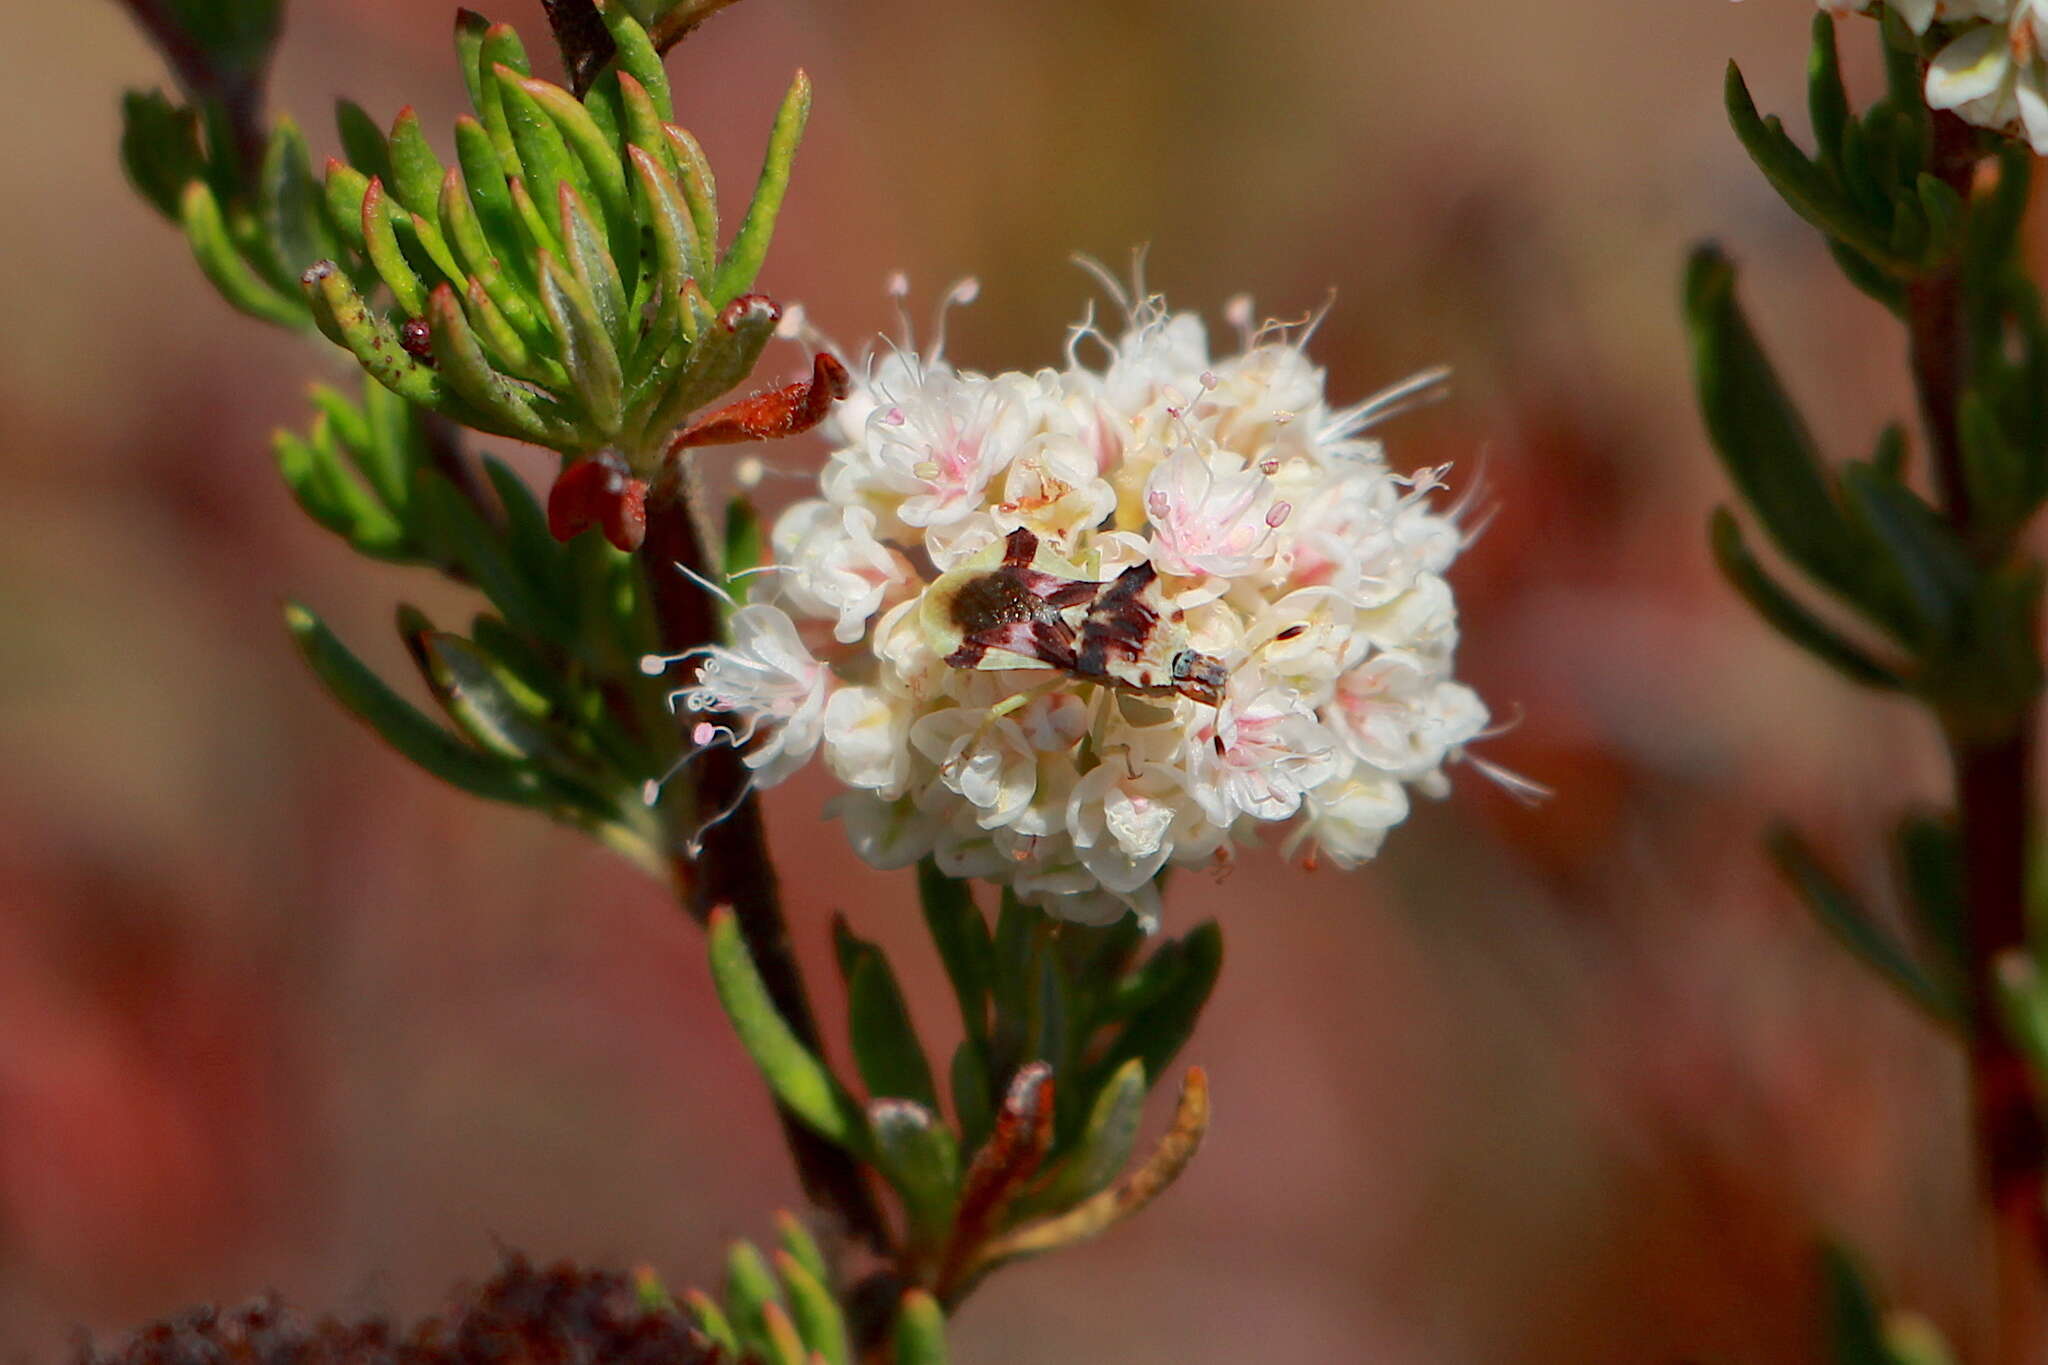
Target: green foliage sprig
[1927,587]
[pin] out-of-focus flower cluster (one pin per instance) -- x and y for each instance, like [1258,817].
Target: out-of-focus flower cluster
[1991,69]
[1285,627]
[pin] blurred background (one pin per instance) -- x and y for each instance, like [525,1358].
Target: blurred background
[1577,1083]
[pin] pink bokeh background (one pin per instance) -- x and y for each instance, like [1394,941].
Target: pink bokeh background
[1571,1084]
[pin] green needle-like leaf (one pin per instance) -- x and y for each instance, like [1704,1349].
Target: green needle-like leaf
[334,498]
[1156,1032]
[818,1320]
[636,57]
[920,1330]
[292,209]
[1784,612]
[797,1242]
[1758,434]
[1827,99]
[713,1323]
[1800,183]
[742,261]
[919,1157]
[402,726]
[793,1072]
[750,1288]
[215,251]
[415,171]
[961,936]
[597,152]
[886,1050]
[362,141]
[1855,1324]
[381,240]
[160,148]
[1105,1146]
[1839,913]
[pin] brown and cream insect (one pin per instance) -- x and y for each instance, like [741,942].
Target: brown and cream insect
[1017,604]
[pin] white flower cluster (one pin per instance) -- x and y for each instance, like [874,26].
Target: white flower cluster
[941,622]
[1991,70]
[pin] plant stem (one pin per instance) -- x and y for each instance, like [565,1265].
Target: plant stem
[1994,787]
[732,867]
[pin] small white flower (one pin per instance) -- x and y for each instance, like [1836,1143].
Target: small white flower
[1211,515]
[835,566]
[1263,753]
[768,678]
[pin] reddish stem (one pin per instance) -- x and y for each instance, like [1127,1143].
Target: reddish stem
[1994,788]
[733,867]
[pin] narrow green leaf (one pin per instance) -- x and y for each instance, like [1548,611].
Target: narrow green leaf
[381,240]
[741,264]
[1105,1145]
[291,208]
[1838,912]
[920,1330]
[1944,212]
[598,153]
[796,1076]
[1787,616]
[1932,565]
[466,370]
[1855,1324]
[1758,434]
[918,1156]
[677,253]
[501,48]
[749,1289]
[587,352]
[589,260]
[635,56]
[961,936]
[480,702]
[713,1323]
[1156,1033]
[160,148]
[333,497]
[972,1090]
[453,525]
[484,176]
[362,141]
[818,1320]
[215,251]
[700,187]
[1931,868]
[723,356]
[545,163]
[402,726]
[1826,97]
[1798,181]
[415,171]
[886,1050]
[1857,268]
[470,28]
[798,1243]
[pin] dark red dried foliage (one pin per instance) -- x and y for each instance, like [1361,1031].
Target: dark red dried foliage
[599,491]
[773,413]
[564,1315]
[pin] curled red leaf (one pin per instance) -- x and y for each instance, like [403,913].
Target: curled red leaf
[600,491]
[773,413]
